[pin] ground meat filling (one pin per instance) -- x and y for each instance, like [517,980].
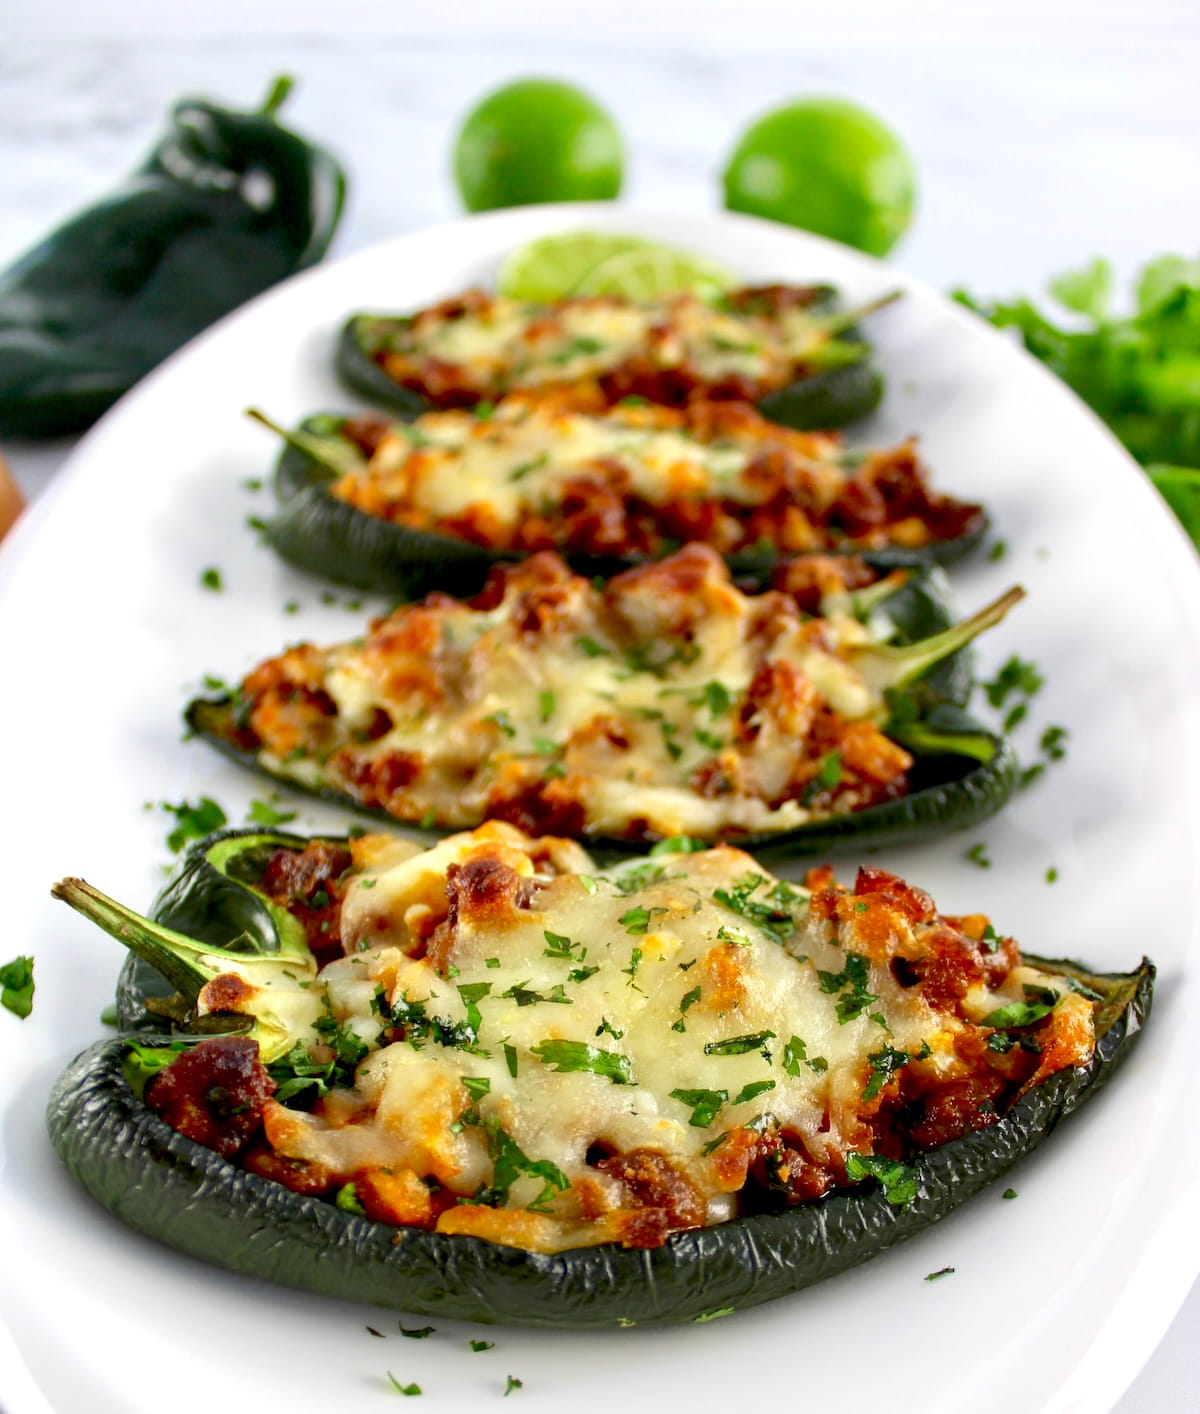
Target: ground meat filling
[309,883]
[793,491]
[420,1136]
[213,1093]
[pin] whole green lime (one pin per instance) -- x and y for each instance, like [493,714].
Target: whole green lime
[825,165]
[537,140]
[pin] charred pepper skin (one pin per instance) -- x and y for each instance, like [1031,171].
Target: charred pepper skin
[962,774]
[815,401]
[190,1198]
[326,536]
[226,204]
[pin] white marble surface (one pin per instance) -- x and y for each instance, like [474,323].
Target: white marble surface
[1043,135]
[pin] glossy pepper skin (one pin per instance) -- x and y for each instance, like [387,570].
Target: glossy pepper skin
[187,1196]
[226,204]
[961,775]
[818,398]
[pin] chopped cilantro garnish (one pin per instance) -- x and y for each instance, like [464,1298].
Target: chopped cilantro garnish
[558,945]
[637,920]
[607,1028]
[899,1182]
[523,995]
[752,1091]
[739,1045]
[348,1201]
[402,1389]
[545,705]
[518,473]
[581,974]
[1052,875]
[941,1272]
[715,697]
[679,844]
[417,1332]
[509,1162]
[829,774]
[794,1053]
[1052,742]
[1015,716]
[774,921]
[978,855]
[477,1086]
[592,648]
[852,983]
[193,822]
[1009,1193]
[501,720]
[714,1315]
[1016,676]
[478,1345]
[579,1055]
[512,1383]
[211,579]
[262,812]
[705,1104]
[16,986]
[1017,1014]
[884,1064]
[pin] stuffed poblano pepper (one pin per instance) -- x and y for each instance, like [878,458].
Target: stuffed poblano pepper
[404,507]
[662,702]
[788,348]
[504,1084]
[227,204]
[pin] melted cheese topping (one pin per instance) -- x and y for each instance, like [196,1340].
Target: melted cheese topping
[521,1025]
[752,340]
[665,702]
[488,476]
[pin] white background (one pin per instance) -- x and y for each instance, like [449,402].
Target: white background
[1043,135]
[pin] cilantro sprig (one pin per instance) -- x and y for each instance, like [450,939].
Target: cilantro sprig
[16,986]
[1138,371]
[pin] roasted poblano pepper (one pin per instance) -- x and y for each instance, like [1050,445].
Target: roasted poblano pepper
[188,1196]
[962,772]
[833,386]
[328,536]
[226,204]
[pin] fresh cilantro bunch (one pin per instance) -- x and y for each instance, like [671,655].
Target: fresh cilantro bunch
[1140,372]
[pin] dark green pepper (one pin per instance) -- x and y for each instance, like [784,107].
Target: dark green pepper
[226,204]
[839,386]
[187,1196]
[329,537]
[962,772]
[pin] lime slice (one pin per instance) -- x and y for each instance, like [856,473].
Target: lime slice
[1180,488]
[651,270]
[552,267]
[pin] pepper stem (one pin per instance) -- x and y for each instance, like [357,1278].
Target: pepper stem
[169,953]
[277,95]
[841,320]
[336,456]
[890,666]
[187,964]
